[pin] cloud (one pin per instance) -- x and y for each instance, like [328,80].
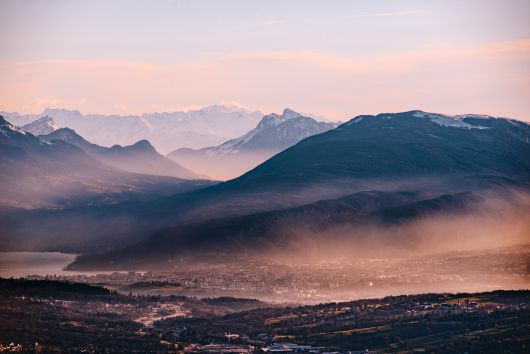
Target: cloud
[82,102]
[232,104]
[406,13]
[39,103]
[121,106]
[417,12]
[450,78]
[163,108]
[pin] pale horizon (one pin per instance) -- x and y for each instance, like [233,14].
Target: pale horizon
[339,61]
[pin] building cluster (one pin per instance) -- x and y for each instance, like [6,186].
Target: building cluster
[341,280]
[274,348]
[12,347]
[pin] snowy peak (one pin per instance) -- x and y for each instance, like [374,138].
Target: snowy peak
[42,126]
[8,130]
[224,109]
[270,120]
[289,114]
[274,133]
[273,119]
[57,112]
[197,129]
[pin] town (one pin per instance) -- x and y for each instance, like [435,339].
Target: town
[40,315]
[341,280]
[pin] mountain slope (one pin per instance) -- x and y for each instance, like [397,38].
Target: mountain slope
[55,174]
[197,129]
[411,151]
[143,158]
[71,137]
[273,134]
[44,125]
[138,158]
[398,148]
[366,224]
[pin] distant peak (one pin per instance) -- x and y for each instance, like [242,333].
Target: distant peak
[66,129]
[288,114]
[142,146]
[143,143]
[54,111]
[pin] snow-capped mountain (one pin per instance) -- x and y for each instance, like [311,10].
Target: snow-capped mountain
[41,126]
[196,129]
[273,134]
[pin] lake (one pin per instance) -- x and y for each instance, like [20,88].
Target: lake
[21,264]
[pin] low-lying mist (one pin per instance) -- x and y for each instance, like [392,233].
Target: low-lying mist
[364,225]
[482,221]
[223,167]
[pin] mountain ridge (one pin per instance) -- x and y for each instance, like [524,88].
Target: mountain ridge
[273,134]
[44,125]
[56,174]
[140,157]
[167,131]
[397,154]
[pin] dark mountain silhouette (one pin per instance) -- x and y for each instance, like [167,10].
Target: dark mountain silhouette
[56,174]
[141,157]
[71,137]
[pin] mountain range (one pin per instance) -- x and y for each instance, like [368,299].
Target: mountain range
[455,162]
[39,174]
[410,166]
[140,157]
[273,134]
[196,129]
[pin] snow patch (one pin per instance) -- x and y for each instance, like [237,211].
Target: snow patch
[356,120]
[434,136]
[4,132]
[451,121]
[147,124]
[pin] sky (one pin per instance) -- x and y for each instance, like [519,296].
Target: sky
[337,59]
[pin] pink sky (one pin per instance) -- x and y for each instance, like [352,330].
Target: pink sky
[489,79]
[337,59]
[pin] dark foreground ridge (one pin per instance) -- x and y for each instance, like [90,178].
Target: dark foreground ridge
[81,318]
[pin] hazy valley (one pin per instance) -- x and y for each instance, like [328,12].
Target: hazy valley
[375,185]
